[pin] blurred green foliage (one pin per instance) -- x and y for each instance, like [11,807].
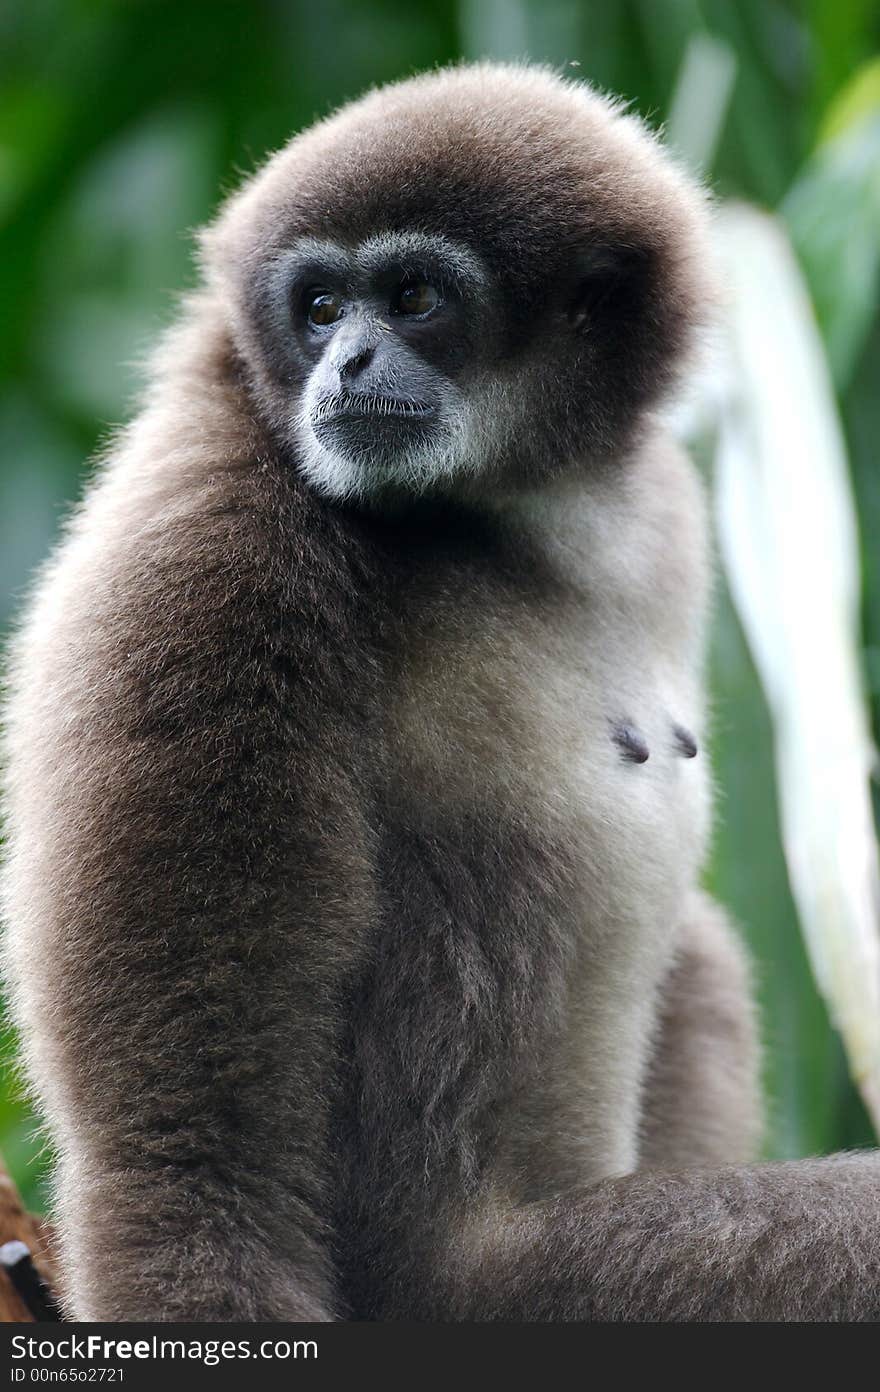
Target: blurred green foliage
[121,121]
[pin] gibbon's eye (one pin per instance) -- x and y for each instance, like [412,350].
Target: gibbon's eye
[415,298]
[323,307]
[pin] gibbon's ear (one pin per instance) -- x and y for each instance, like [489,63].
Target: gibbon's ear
[612,283]
[639,304]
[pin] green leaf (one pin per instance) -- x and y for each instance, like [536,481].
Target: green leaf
[788,537]
[833,215]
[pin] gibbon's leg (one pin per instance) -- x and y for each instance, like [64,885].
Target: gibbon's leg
[701,1101]
[798,1240]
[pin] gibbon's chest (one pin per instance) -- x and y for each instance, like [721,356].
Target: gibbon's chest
[564,722]
[575,708]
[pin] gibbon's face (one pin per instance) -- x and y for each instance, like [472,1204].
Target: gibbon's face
[474,280]
[386,335]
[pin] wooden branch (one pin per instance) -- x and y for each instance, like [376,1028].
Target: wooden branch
[27,1266]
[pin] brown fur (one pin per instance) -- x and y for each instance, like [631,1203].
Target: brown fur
[358,972]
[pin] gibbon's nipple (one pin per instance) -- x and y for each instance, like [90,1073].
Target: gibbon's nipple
[685,742]
[634,747]
[630,741]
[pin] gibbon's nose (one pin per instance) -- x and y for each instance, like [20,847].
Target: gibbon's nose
[350,358]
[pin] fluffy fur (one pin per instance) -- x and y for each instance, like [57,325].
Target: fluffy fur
[361,972]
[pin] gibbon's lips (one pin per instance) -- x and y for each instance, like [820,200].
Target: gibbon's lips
[363,406]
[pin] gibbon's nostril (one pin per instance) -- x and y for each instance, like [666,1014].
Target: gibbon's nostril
[354,361]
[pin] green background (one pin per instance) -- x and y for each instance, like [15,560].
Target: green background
[120,125]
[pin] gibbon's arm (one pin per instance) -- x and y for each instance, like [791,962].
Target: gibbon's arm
[701,1099]
[184,1042]
[797,1240]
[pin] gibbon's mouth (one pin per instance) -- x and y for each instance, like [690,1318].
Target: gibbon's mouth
[351,406]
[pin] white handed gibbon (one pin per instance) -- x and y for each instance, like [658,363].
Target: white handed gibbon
[354,800]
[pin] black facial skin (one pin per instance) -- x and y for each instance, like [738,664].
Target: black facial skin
[378,335]
[369,338]
[347,343]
